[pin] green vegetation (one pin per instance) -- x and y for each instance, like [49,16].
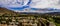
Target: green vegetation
[8,16]
[50,18]
[53,18]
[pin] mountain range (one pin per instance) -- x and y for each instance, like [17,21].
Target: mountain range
[7,11]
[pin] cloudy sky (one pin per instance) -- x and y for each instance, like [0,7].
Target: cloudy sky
[31,5]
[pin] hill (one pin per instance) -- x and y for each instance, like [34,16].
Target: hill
[6,12]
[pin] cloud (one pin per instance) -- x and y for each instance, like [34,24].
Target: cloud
[45,4]
[33,3]
[35,11]
[13,3]
[38,4]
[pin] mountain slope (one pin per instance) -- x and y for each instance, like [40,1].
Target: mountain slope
[4,11]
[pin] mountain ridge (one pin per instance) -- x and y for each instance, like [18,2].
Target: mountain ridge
[5,11]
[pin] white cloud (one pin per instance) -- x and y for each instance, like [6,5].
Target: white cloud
[13,3]
[38,4]
[45,4]
[35,11]
[33,4]
[29,10]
